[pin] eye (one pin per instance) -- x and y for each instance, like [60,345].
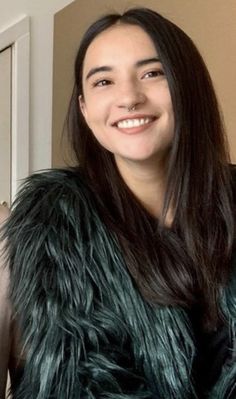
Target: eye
[102,82]
[153,74]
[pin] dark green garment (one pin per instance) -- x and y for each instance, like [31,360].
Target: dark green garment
[86,331]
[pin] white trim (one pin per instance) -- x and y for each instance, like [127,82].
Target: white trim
[18,37]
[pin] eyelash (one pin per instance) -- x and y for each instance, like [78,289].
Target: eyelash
[99,83]
[155,73]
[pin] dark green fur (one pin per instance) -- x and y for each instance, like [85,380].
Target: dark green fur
[87,332]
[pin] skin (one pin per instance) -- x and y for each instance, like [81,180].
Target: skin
[121,70]
[4,212]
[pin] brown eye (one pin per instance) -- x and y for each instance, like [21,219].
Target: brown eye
[153,74]
[102,82]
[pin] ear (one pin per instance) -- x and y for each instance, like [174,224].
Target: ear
[82,106]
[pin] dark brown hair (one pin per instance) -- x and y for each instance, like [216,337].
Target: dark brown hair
[184,265]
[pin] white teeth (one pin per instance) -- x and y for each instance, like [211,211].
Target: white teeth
[128,123]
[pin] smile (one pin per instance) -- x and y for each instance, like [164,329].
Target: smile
[136,122]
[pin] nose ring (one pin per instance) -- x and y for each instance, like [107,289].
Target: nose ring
[132,108]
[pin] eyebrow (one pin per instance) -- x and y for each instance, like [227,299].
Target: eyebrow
[106,68]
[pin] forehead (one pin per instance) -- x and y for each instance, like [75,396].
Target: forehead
[118,42]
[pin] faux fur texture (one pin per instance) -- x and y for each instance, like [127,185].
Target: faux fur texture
[87,332]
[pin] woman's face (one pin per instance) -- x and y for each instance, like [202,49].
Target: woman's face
[122,70]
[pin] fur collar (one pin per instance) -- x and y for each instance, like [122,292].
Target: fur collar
[87,333]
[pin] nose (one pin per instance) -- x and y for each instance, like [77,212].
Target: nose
[130,95]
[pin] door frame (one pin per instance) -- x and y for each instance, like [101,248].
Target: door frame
[17,36]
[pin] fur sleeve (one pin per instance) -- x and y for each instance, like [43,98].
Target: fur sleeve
[75,339]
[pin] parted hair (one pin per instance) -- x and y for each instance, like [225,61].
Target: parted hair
[188,263]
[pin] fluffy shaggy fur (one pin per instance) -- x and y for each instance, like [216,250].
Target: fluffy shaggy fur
[87,332]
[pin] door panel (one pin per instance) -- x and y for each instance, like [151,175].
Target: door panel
[5,125]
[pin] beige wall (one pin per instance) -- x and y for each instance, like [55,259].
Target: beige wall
[210,23]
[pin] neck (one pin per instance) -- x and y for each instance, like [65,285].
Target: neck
[148,184]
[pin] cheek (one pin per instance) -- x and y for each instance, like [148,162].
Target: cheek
[95,109]
[166,100]
[90,114]
[96,120]
[167,105]
[99,120]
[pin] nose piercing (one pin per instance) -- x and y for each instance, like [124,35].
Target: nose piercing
[132,108]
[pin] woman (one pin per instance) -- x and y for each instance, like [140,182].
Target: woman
[122,272]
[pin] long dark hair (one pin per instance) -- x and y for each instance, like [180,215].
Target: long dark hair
[187,263]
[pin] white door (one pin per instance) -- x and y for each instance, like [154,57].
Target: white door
[5,125]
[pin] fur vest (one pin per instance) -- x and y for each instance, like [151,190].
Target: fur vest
[86,331]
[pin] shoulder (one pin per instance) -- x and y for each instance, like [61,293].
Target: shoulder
[45,193]
[50,220]
[57,181]
[51,208]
